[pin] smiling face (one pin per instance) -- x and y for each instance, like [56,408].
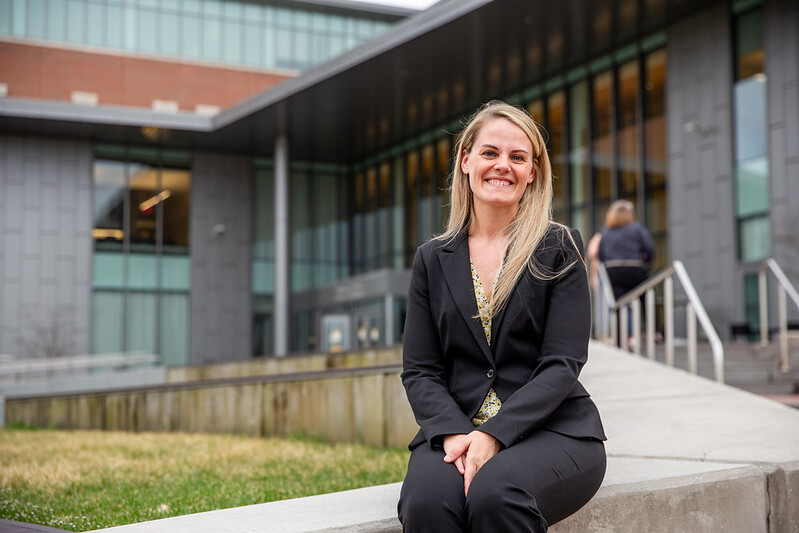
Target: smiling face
[499,165]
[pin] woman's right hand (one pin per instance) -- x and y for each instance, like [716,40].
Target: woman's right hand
[455,447]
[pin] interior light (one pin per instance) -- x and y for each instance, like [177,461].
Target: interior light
[155,200]
[100,234]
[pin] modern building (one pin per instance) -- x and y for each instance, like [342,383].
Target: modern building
[288,221]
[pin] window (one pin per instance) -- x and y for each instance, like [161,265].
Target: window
[627,130]
[578,157]
[656,216]
[751,138]
[230,31]
[263,260]
[141,273]
[602,145]
[556,128]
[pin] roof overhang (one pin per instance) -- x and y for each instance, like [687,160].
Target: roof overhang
[428,70]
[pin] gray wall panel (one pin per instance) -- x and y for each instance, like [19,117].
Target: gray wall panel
[221,305]
[701,175]
[782,71]
[702,232]
[38,178]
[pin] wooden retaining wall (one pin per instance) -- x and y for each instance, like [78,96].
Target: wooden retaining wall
[365,404]
[284,365]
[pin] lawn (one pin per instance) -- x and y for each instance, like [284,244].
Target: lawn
[83,480]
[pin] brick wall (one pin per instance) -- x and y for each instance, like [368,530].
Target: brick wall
[52,73]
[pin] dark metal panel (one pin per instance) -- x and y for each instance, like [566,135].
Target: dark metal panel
[431,69]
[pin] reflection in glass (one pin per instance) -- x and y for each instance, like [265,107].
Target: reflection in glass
[427,205]
[602,144]
[384,215]
[751,138]
[371,231]
[398,215]
[750,118]
[141,268]
[145,195]
[755,238]
[656,213]
[109,204]
[578,136]
[411,205]
[654,118]
[751,180]
[628,18]
[301,242]
[556,132]
[443,173]
[627,134]
[602,23]
[108,317]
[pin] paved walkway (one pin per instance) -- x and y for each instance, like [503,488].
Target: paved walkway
[685,454]
[11,526]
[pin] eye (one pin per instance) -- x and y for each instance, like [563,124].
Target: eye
[489,153]
[518,158]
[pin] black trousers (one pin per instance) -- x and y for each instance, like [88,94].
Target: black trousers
[535,483]
[625,278]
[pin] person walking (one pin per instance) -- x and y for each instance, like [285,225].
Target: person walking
[625,248]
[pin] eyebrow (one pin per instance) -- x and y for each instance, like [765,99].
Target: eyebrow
[495,148]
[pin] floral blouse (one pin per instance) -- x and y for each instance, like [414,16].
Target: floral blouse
[491,403]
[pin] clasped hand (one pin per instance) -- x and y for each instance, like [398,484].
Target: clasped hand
[470,452]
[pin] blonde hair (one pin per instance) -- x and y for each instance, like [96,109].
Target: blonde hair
[620,213]
[533,216]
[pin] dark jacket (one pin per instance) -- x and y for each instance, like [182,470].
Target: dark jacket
[630,242]
[539,344]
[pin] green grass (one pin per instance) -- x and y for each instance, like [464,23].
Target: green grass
[83,480]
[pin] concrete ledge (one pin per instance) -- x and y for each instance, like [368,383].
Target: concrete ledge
[685,454]
[636,494]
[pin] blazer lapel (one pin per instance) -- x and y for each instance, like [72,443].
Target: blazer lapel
[454,260]
[522,294]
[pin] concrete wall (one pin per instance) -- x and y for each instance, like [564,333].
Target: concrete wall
[782,70]
[701,176]
[45,244]
[221,294]
[264,366]
[352,405]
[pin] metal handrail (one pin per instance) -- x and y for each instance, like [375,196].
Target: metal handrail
[693,308]
[602,301]
[784,286]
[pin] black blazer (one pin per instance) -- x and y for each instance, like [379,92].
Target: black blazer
[539,344]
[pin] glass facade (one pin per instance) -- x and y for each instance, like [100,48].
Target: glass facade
[243,33]
[141,262]
[263,258]
[653,209]
[605,130]
[751,138]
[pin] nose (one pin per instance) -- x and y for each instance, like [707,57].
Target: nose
[502,163]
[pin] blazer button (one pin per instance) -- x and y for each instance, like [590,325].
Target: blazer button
[490,373]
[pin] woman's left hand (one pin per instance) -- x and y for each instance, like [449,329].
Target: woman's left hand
[474,451]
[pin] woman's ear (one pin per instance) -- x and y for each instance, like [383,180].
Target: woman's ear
[465,162]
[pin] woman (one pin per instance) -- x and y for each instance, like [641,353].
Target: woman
[625,248]
[496,333]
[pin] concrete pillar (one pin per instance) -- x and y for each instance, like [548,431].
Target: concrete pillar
[282,310]
[388,338]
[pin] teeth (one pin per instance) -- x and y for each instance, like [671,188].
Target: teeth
[502,183]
